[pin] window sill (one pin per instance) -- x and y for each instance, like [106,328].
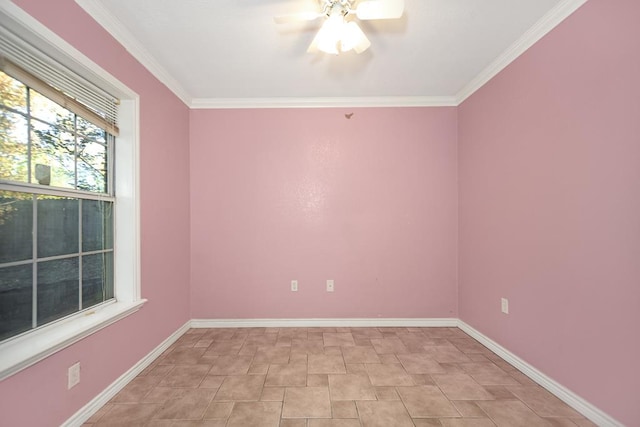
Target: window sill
[22,352]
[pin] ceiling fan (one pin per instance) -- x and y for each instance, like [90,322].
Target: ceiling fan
[339,32]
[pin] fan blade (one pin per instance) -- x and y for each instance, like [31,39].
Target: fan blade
[380,9]
[297,17]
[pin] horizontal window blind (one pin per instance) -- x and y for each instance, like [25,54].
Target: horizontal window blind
[24,62]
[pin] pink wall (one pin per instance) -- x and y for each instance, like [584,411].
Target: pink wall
[550,206]
[548,158]
[38,396]
[308,194]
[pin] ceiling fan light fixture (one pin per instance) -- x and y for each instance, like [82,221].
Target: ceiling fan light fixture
[330,34]
[339,33]
[354,38]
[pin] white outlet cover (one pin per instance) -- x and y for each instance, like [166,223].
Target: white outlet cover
[505,306]
[330,286]
[294,286]
[73,375]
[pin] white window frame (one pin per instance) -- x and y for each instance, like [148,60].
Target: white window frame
[27,349]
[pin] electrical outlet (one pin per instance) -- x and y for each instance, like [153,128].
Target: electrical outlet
[329,285]
[73,375]
[505,306]
[294,286]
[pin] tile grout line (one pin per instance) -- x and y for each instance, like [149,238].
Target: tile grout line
[410,337]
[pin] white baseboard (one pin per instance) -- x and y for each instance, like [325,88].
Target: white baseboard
[99,401]
[324,323]
[567,396]
[570,398]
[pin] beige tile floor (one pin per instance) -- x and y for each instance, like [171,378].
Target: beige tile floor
[332,377]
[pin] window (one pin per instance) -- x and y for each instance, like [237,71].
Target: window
[75,223]
[56,248]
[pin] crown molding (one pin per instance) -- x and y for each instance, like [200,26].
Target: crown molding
[115,27]
[547,23]
[303,102]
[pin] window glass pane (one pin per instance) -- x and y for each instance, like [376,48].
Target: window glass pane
[89,130]
[16,296]
[92,166]
[45,109]
[52,156]
[14,152]
[13,94]
[58,289]
[58,222]
[97,225]
[43,143]
[97,279]
[16,226]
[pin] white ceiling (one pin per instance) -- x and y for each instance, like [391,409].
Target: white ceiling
[230,53]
